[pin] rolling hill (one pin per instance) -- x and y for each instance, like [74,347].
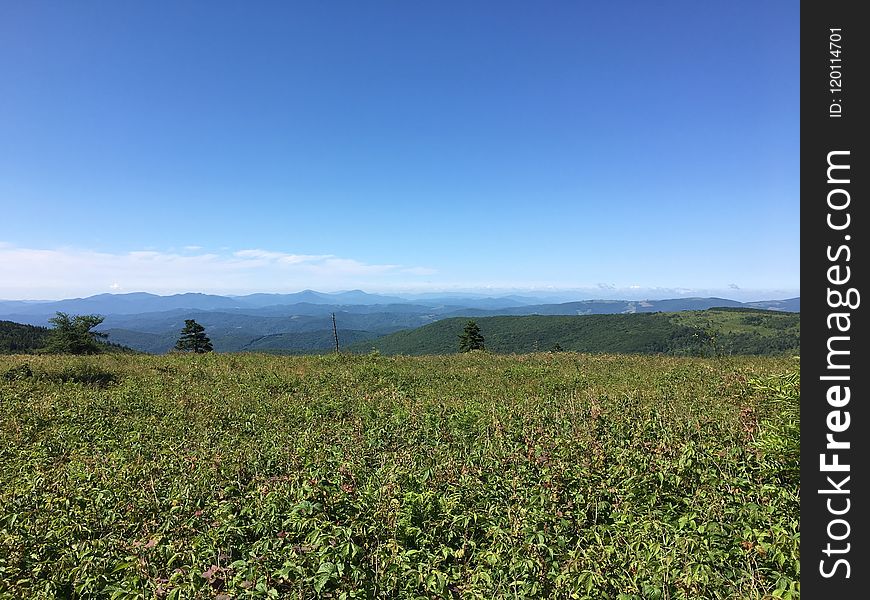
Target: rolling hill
[711,331]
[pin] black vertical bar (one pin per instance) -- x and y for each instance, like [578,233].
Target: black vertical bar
[834,170]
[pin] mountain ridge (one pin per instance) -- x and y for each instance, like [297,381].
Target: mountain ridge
[234,323]
[144,302]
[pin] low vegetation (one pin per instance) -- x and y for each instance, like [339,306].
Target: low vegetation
[551,475]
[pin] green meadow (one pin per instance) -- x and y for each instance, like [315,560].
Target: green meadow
[545,475]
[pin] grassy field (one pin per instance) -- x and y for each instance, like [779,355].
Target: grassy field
[470,476]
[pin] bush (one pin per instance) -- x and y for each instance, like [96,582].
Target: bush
[779,436]
[87,374]
[21,371]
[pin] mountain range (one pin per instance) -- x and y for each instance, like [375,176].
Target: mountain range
[302,322]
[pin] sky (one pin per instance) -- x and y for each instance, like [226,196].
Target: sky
[231,147]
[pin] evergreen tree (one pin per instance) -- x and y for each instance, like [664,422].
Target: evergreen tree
[73,335]
[471,338]
[193,338]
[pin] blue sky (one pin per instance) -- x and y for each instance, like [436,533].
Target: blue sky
[235,147]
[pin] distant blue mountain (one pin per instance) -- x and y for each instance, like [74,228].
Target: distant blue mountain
[121,304]
[142,302]
[788,305]
[353,297]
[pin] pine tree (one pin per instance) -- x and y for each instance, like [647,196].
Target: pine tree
[471,338]
[73,335]
[193,338]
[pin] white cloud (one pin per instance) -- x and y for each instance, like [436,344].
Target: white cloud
[419,271]
[276,256]
[64,272]
[29,273]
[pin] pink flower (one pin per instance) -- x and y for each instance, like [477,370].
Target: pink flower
[210,572]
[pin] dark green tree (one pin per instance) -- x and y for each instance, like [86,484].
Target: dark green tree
[193,338]
[471,338]
[73,335]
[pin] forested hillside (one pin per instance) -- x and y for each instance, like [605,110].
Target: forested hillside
[695,333]
[16,338]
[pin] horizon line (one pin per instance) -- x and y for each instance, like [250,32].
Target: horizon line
[635,292]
